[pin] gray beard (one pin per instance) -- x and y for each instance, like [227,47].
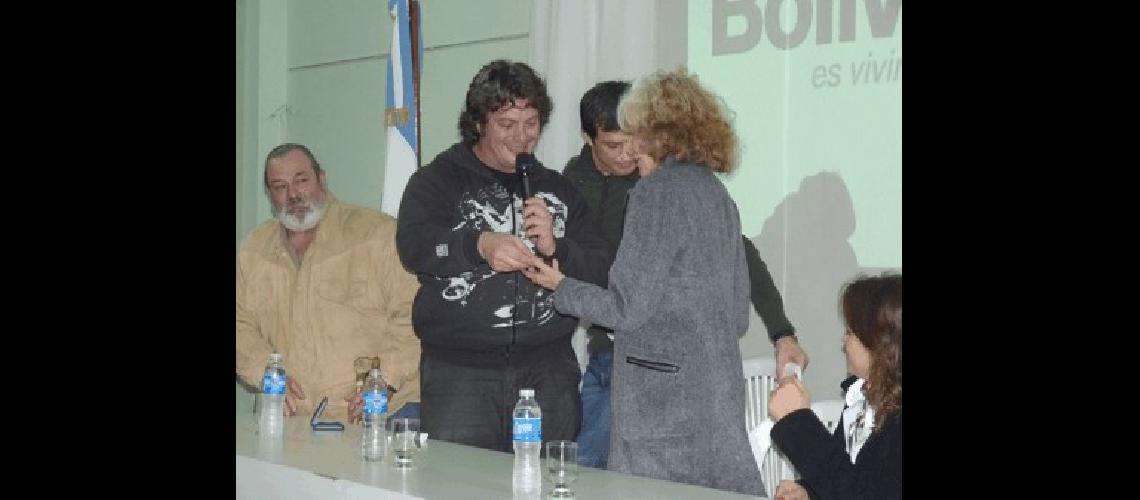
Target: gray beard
[305,221]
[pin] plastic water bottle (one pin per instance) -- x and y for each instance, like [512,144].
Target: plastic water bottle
[375,414]
[527,476]
[272,420]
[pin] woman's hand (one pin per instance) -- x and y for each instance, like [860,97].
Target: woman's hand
[543,275]
[791,490]
[789,397]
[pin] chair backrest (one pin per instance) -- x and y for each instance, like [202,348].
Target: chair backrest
[759,382]
[758,385]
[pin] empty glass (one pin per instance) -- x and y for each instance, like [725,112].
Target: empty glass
[405,441]
[562,466]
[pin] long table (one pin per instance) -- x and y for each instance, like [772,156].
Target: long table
[304,464]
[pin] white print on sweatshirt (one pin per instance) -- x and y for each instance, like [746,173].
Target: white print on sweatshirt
[480,213]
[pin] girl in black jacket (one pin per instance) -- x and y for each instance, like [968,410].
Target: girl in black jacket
[863,459]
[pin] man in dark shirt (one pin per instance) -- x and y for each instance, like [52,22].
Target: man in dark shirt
[466,230]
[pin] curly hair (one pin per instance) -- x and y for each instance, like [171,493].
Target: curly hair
[678,117]
[872,309]
[500,83]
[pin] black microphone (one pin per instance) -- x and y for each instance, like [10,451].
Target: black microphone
[523,163]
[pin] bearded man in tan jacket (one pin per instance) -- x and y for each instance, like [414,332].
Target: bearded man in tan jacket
[322,284]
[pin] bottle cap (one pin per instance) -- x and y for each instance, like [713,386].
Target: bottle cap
[526,393]
[275,357]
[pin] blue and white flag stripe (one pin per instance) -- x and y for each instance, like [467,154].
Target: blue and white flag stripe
[401,114]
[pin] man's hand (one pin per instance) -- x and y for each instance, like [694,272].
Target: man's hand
[504,252]
[791,490]
[355,406]
[538,224]
[789,397]
[293,392]
[788,349]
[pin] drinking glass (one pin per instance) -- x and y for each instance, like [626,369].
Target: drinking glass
[562,466]
[405,441]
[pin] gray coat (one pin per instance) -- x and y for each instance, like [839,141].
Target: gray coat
[678,303]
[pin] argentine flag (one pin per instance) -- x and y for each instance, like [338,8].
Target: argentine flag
[401,114]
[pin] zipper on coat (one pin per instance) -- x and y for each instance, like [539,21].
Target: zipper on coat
[660,366]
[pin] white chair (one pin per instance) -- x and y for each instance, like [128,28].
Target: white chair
[759,383]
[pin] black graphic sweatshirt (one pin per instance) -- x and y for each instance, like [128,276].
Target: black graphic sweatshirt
[464,310]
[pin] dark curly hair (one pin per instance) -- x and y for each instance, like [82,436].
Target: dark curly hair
[872,310]
[499,83]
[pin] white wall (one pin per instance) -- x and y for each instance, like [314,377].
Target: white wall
[314,73]
[819,187]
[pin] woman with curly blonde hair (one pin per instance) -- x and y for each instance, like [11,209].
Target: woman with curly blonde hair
[863,458]
[674,116]
[677,296]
